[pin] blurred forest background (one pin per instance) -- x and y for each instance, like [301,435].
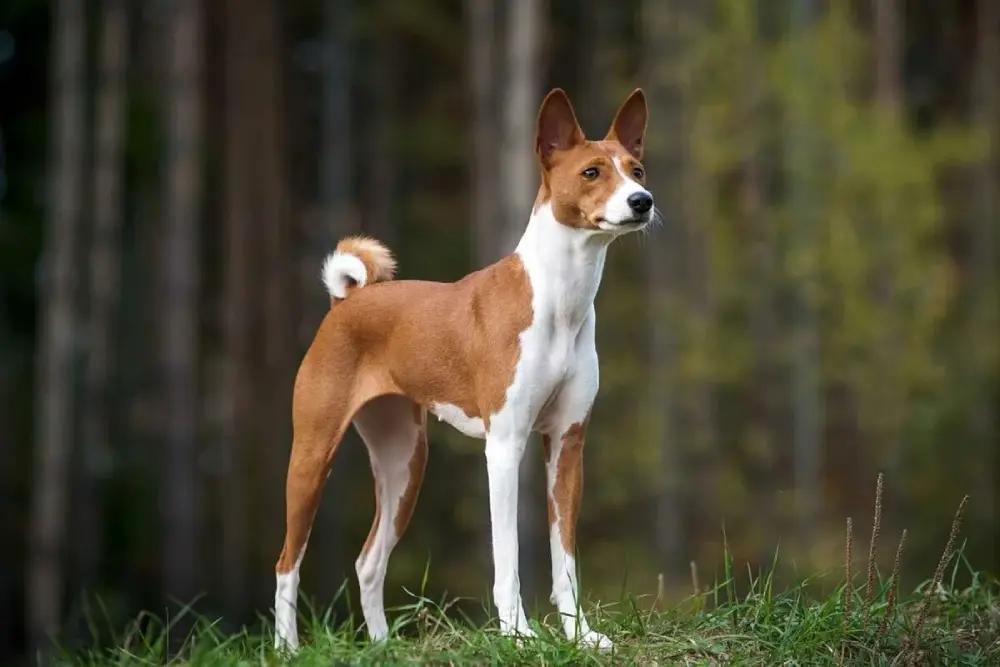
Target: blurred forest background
[821,304]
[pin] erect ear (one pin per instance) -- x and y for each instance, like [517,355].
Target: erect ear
[629,126]
[557,129]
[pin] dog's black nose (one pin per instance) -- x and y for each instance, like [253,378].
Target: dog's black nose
[640,202]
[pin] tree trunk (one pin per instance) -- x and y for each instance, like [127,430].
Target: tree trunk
[105,277]
[181,487]
[336,178]
[334,217]
[337,218]
[238,285]
[9,379]
[275,319]
[762,317]
[595,50]
[888,40]
[519,183]
[888,87]
[266,36]
[805,386]
[519,175]
[700,409]
[984,256]
[380,184]
[54,400]
[3,172]
[668,162]
[481,16]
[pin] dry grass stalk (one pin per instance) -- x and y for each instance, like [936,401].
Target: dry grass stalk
[848,575]
[660,591]
[893,594]
[876,527]
[946,555]
[694,579]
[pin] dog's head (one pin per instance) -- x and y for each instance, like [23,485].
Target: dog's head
[597,186]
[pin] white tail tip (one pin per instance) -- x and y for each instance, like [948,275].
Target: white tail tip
[357,261]
[343,272]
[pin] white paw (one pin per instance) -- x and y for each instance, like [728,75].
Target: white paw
[378,632]
[288,645]
[521,635]
[596,640]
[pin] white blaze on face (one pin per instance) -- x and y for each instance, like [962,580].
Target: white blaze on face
[617,210]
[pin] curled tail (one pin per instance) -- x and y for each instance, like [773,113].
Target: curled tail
[356,262]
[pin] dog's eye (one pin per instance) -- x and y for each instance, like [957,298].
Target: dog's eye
[590,173]
[638,172]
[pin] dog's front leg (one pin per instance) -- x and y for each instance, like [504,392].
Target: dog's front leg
[563,440]
[564,473]
[504,450]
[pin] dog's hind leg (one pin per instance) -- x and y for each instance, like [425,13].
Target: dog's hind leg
[394,429]
[321,412]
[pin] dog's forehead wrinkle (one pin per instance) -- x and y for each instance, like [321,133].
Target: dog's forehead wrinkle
[603,149]
[612,148]
[592,154]
[585,153]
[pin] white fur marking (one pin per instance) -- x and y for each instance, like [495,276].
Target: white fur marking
[576,399]
[456,417]
[391,436]
[564,268]
[573,403]
[286,595]
[503,458]
[616,209]
[338,268]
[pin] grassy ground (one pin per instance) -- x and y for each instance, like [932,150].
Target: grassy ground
[961,627]
[741,621]
[938,625]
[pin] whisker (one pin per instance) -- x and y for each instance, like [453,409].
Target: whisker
[657,217]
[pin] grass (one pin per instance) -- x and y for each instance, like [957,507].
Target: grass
[740,621]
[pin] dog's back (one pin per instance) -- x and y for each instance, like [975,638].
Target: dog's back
[437,343]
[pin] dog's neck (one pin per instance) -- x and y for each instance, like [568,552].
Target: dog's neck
[565,266]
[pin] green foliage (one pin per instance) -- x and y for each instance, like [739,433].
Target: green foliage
[875,263]
[856,220]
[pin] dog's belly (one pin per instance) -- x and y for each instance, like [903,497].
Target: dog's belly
[453,415]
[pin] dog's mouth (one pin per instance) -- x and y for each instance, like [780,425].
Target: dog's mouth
[627,223]
[635,222]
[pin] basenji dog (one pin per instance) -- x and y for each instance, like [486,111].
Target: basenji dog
[504,351]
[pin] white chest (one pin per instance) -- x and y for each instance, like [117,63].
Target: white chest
[564,267]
